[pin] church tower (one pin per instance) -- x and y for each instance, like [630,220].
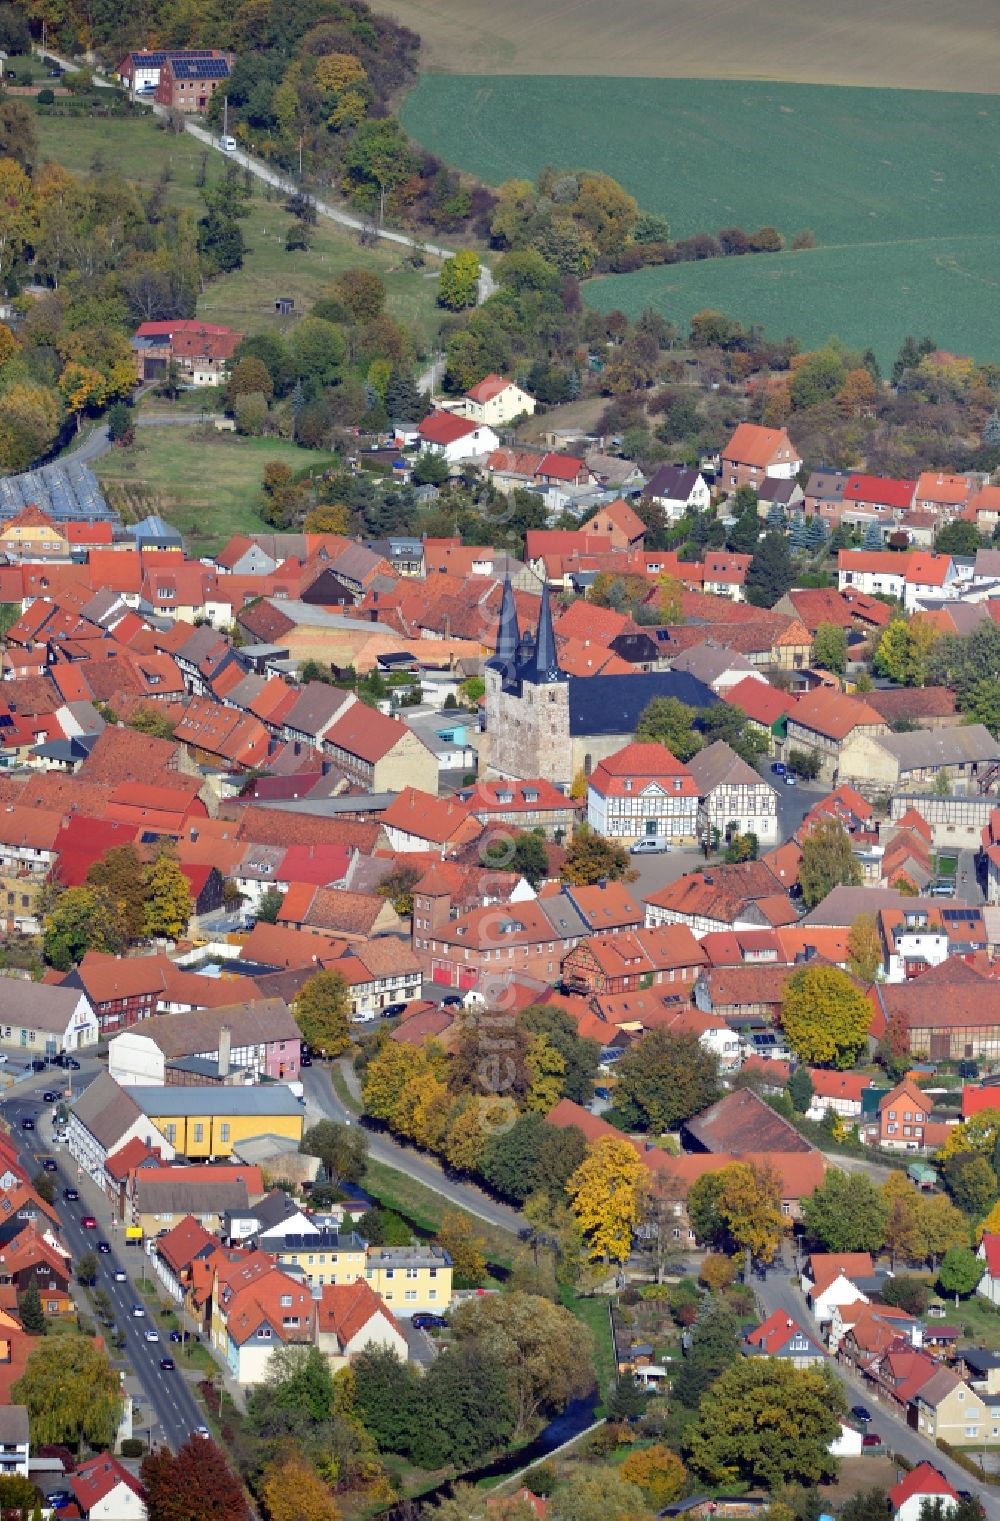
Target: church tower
[527,701]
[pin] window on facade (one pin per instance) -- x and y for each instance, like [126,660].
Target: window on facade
[223,1132]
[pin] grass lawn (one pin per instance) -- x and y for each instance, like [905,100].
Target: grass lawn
[425,1209]
[947,866]
[891,182]
[592,1310]
[976,1318]
[214,495]
[138,150]
[341,1089]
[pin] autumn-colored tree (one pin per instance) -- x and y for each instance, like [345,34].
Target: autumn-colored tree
[29,423]
[292,1490]
[193,1484]
[81,386]
[857,393]
[590,857]
[717,1272]
[548,1070]
[16,223]
[362,292]
[387,1075]
[119,874]
[250,377]
[329,518]
[942,1226]
[7,345]
[825,1017]
[322,1011]
[578,786]
[465,1135]
[607,1193]
[82,919]
[749,1206]
[670,598]
[904,1234]
[979,1133]
[864,949]
[169,904]
[767,1423]
[657,1471]
[72,1392]
[546,1352]
[465,1248]
[337,72]
[424,1106]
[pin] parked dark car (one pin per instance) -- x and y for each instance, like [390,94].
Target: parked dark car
[38,1064]
[427,1322]
[860,1413]
[49,1164]
[392,1009]
[72,1064]
[71,1195]
[50,1096]
[305,1060]
[104,1247]
[453,1001]
[27,1123]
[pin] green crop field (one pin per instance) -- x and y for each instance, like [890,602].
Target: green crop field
[900,188]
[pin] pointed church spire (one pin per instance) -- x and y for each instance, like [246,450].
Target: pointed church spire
[508,633]
[546,661]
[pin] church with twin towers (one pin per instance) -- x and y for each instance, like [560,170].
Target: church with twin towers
[541,722]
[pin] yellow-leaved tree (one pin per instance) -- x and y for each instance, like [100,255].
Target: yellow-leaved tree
[292,1490]
[608,1192]
[168,898]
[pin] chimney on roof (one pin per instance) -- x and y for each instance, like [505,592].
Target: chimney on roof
[225,1050]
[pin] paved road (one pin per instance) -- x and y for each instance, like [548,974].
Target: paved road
[288,186]
[174,1412]
[322,1102]
[97,442]
[778,1292]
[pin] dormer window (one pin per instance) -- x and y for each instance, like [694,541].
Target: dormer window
[677,784]
[628,784]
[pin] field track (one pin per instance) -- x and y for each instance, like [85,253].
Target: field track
[901,44]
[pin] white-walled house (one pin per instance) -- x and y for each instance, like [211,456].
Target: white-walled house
[675,489]
[922,1483]
[457,438]
[643,793]
[828,1280]
[351,1318]
[731,793]
[989,1254]
[43,1019]
[15,1446]
[104,1490]
[497,401]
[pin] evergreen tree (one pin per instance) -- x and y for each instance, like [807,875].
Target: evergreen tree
[771,571]
[872,538]
[32,1314]
[715,1346]
[815,533]
[776,515]
[991,432]
[402,399]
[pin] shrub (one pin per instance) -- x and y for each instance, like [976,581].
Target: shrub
[45,97]
[133,1447]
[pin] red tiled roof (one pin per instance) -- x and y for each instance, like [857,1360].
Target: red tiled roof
[95,1480]
[754,445]
[879,490]
[922,1480]
[445,428]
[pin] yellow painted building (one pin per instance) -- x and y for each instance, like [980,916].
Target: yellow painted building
[326,1257]
[410,1279]
[211,1121]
